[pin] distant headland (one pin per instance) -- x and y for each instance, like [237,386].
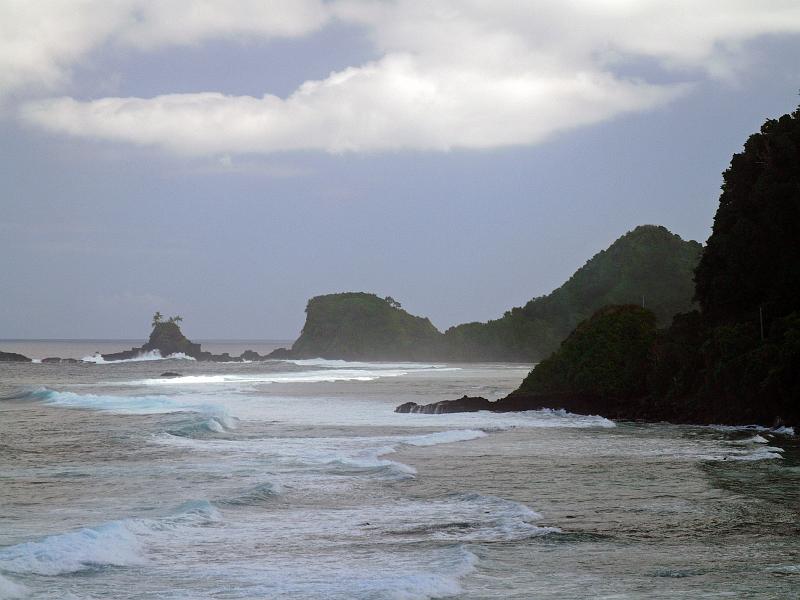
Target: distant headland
[648,265]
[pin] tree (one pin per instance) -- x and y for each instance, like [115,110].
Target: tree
[751,265]
[392,302]
[176,319]
[157,318]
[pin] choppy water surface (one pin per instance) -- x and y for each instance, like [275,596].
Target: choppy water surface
[297,480]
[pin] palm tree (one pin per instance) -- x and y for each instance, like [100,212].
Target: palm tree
[176,319]
[157,318]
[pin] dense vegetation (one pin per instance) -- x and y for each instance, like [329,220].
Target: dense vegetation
[648,265]
[606,356]
[737,359]
[741,353]
[357,325]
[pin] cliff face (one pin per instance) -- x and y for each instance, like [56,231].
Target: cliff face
[649,264]
[358,325]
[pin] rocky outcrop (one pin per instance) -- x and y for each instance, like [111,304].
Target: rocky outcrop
[574,403]
[362,326]
[13,357]
[463,404]
[167,339]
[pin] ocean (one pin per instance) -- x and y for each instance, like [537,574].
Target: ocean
[295,479]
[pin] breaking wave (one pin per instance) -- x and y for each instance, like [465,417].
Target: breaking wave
[144,356]
[151,404]
[319,376]
[118,543]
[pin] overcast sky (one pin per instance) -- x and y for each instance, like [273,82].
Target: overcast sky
[228,160]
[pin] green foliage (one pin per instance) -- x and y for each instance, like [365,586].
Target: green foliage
[648,265]
[738,360]
[608,355]
[157,318]
[359,325]
[743,357]
[752,259]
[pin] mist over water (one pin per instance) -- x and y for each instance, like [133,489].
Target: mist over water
[295,479]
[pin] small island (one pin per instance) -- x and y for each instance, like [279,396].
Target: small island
[168,341]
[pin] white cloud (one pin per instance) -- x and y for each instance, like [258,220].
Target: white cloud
[454,73]
[40,40]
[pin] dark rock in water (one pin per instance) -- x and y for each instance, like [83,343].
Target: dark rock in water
[71,361]
[167,339]
[124,355]
[251,355]
[463,404]
[574,403]
[280,354]
[13,357]
[171,374]
[51,360]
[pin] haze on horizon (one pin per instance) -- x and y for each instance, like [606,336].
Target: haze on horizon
[226,161]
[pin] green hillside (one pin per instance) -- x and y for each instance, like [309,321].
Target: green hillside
[649,264]
[357,325]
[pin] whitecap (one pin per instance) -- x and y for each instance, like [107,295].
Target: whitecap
[97,358]
[318,376]
[117,543]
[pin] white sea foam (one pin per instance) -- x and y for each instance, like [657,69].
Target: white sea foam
[783,430]
[144,356]
[319,376]
[110,544]
[341,455]
[10,590]
[118,543]
[347,364]
[444,437]
[152,404]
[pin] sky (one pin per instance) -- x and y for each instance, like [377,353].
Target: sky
[226,161]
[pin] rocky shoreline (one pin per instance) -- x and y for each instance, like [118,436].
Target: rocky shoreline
[641,409]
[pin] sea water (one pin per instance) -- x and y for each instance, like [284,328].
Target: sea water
[295,479]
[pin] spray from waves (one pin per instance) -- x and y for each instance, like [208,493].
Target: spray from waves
[144,356]
[10,590]
[118,543]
